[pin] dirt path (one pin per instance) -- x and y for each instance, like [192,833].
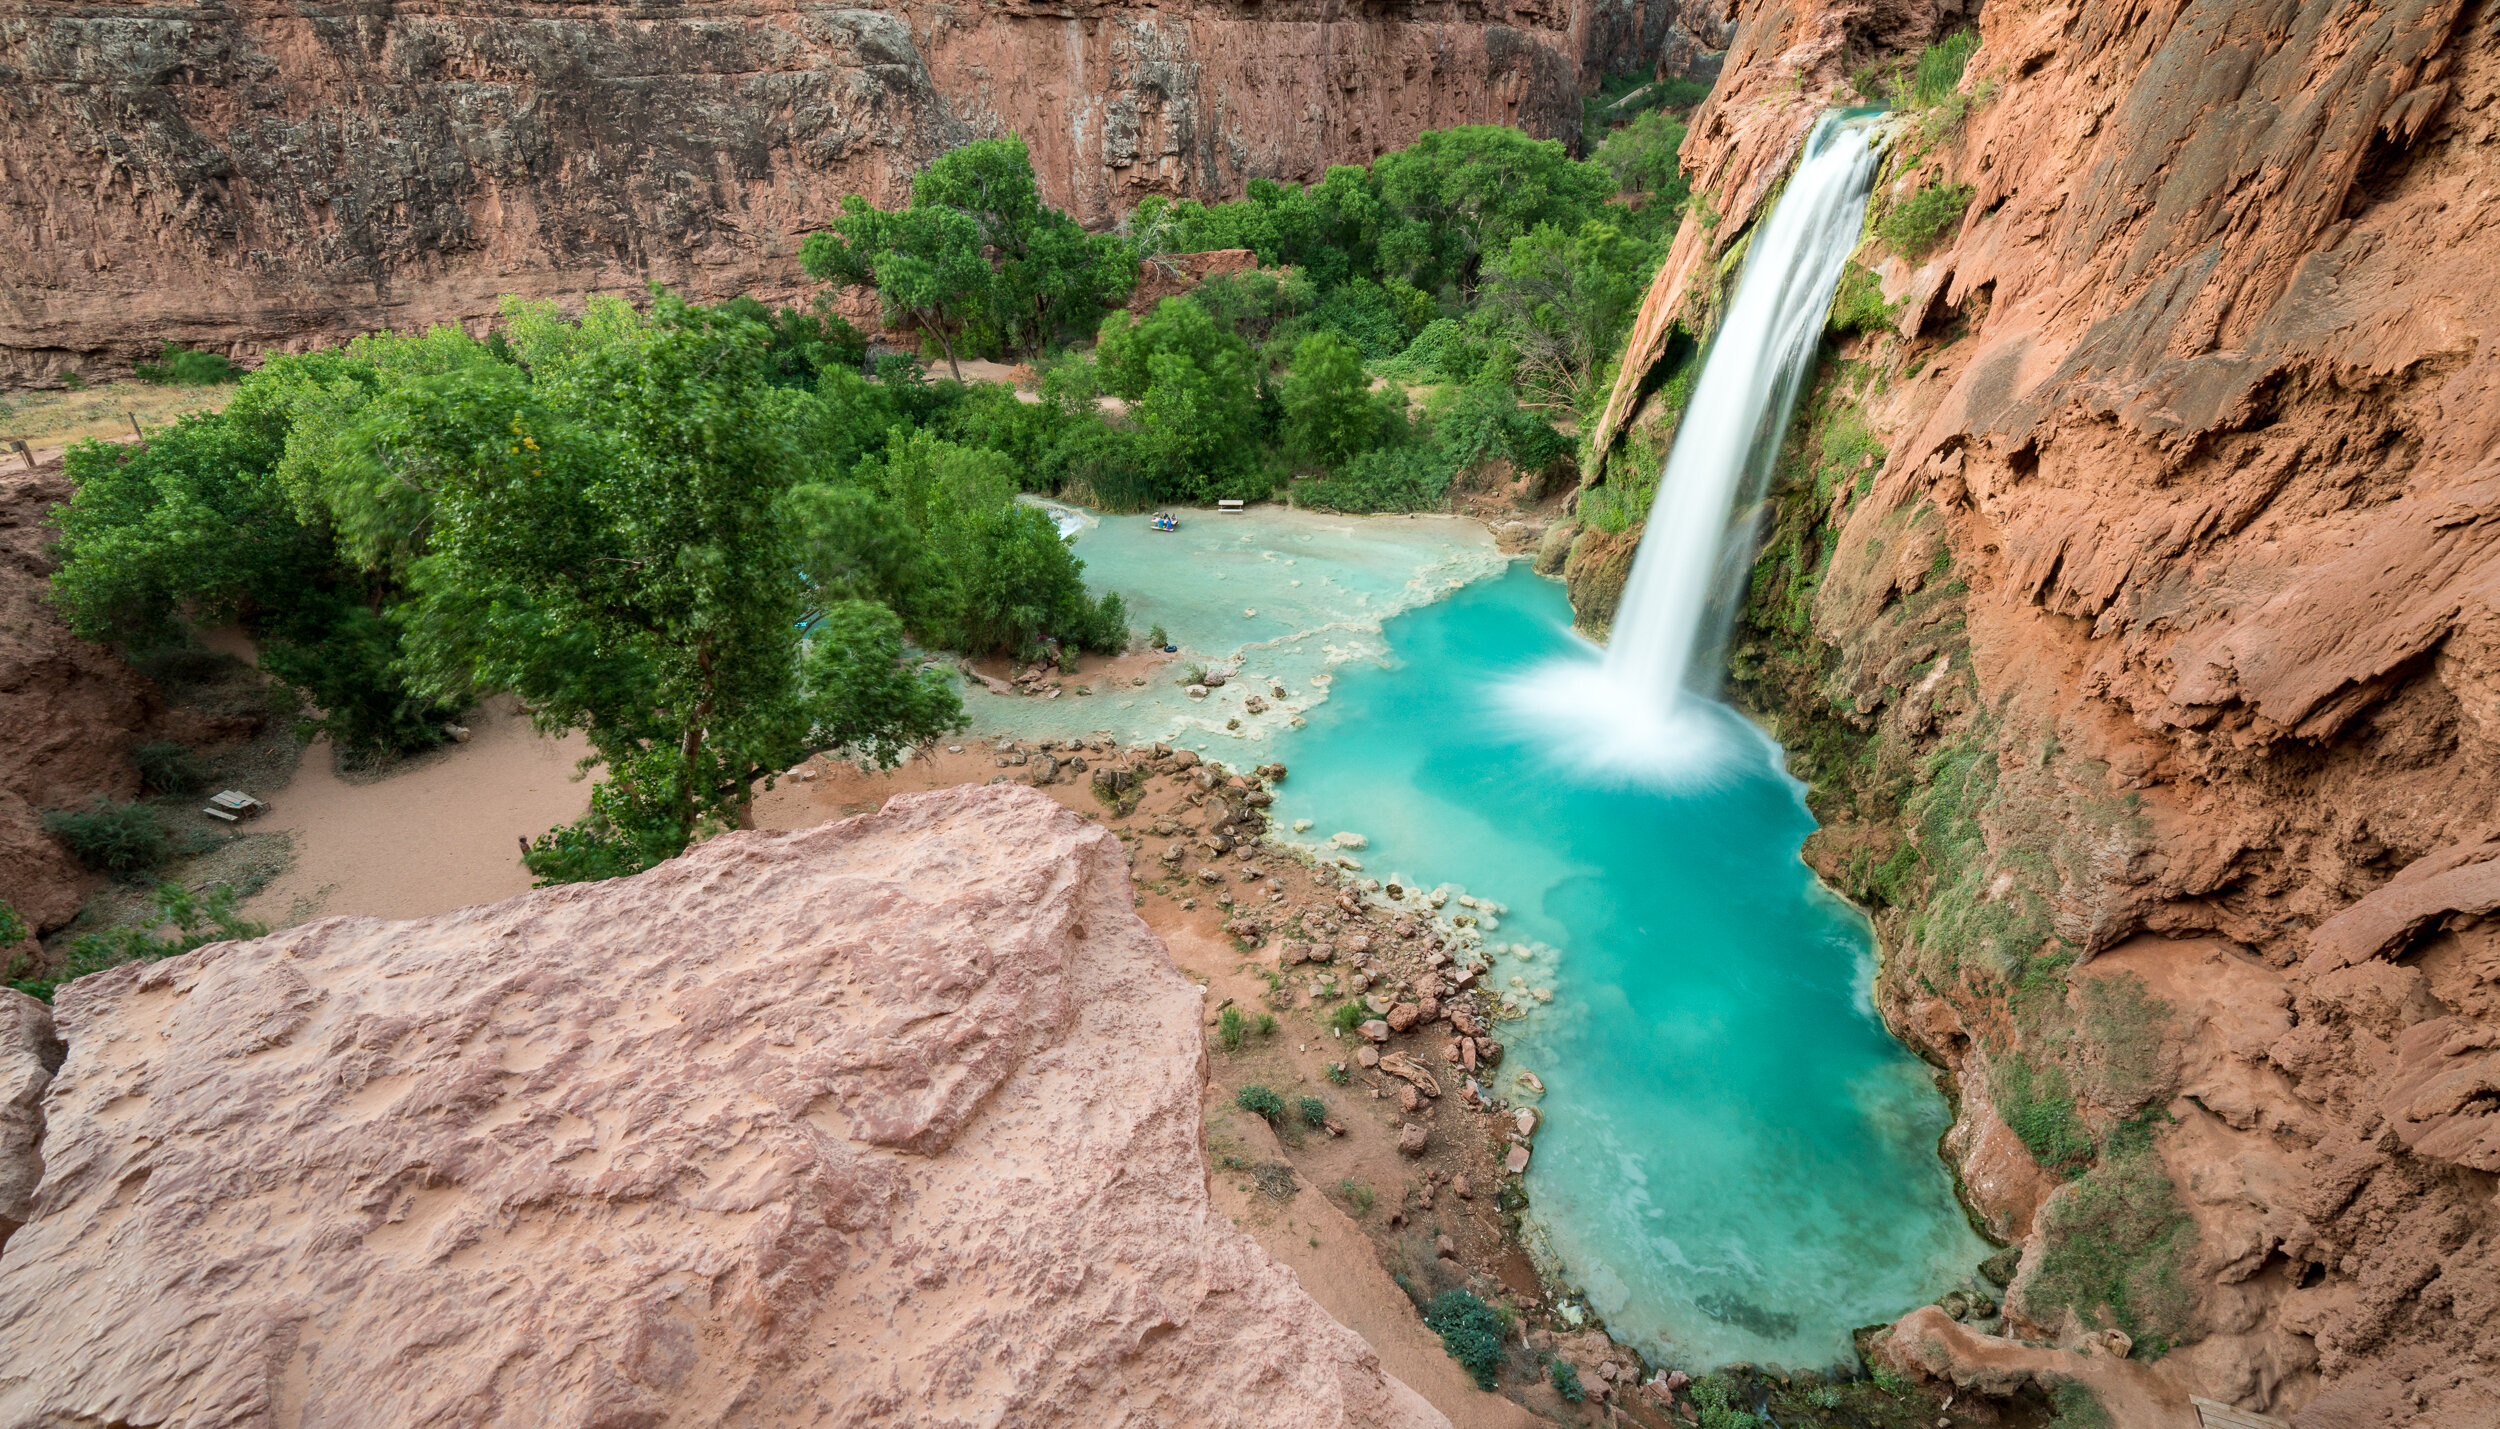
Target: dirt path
[437,836]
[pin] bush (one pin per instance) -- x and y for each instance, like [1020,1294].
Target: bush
[1348,1016]
[1938,71]
[1915,223]
[194,921]
[1357,1195]
[1472,1331]
[1566,1381]
[1390,479]
[1314,1111]
[1716,1399]
[1261,1102]
[1859,306]
[166,767]
[1230,1028]
[178,366]
[110,837]
[1339,1074]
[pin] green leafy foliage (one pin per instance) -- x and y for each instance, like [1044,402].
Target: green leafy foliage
[1562,302]
[1472,1331]
[1858,305]
[1913,225]
[1261,1102]
[178,366]
[110,837]
[2038,1105]
[182,922]
[1566,1381]
[1231,1029]
[1714,1396]
[1312,1110]
[976,255]
[1329,415]
[167,767]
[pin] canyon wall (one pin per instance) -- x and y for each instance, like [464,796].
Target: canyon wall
[887,1122]
[2130,599]
[256,174]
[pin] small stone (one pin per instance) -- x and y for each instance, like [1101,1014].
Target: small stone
[1412,1101]
[1460,1188]
[1196,692]
[1517,1161]
[1375,1030]
[1467,1053]
[1404,1016]
[1368,1056]
[1445,1247]
[1525,1119]
[1413,1138]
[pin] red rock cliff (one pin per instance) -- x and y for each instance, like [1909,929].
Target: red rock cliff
[2164,646]
[258,174]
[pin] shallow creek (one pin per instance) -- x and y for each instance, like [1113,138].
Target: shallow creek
[1737,1163]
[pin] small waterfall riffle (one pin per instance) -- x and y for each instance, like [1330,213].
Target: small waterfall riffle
[1646,709]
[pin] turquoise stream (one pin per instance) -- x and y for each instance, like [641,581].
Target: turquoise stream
[1737,1163]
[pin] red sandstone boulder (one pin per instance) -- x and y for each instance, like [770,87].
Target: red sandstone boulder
[893,1121]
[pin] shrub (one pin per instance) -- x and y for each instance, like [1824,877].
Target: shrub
[1566,1381]
[1716,1399]
[2077,1407]
[1915,223]
[1267,1025]
[194,921]
[1348,1016]
[166,767]
[178,366]
[110,837]
[1339,1074]
[1471,1330]
[1230,1028]
[1314,1111]
[1859,304]
[1938,71]
[1357,1195]
[1261,1102]
[1157,638]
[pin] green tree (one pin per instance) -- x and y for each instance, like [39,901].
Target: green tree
[1329,416]
[1456,195]
[1563,301]
[925,264]
[611,542]
[977,250]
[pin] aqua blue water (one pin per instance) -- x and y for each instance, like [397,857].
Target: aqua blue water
[1738,1163]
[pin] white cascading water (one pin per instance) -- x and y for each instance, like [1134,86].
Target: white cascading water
[1645,707]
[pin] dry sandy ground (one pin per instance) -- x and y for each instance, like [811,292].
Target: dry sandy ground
[438,835]
[49,421]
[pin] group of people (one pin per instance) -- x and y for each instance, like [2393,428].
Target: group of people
[1166,521]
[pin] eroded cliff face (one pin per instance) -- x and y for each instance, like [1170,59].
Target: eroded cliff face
[2133,604]
[892,1121]
[256,174]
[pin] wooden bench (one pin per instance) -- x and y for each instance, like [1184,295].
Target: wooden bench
[2222,1416]
[232,806]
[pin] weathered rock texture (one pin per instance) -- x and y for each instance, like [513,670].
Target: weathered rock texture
[2180,581]
[258,174]
[893,1121]
[69,711]
[29,1054]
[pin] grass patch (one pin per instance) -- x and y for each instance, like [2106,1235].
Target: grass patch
[1357,1195]
[2116,1249]
[2039,1105]
[166,767]
[2122,1024]
[182,921]
[1858,305]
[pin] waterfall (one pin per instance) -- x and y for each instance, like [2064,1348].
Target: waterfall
[1646,706]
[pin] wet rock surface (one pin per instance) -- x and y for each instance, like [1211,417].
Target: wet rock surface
[888,1121]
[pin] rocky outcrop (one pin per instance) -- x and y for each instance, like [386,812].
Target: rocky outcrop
[69,711]
[2150,697]
[892,1121]
[29,1054]
[260,175]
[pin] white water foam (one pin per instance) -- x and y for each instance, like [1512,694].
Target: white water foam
[1645,709]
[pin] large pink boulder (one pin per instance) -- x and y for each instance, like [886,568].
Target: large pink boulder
[891,1122]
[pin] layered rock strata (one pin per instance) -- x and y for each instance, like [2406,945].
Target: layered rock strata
[256,175]
[2176,587]
[893,1121]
